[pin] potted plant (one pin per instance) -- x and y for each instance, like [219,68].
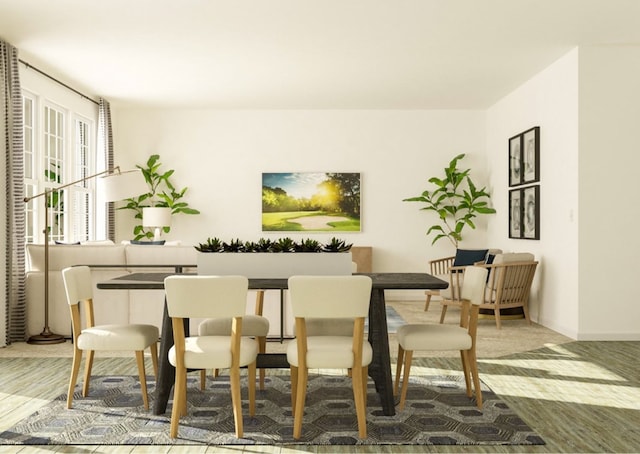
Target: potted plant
[457,201]
[274,259]
[162,194]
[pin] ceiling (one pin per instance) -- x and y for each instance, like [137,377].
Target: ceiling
[308,54]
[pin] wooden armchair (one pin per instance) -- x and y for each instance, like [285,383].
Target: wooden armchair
[508,284]
[441,268]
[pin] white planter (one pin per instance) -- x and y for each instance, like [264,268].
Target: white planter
[273,264]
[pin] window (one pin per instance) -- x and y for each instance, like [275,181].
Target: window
[59,149]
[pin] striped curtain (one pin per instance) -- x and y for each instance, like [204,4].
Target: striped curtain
[13,327]
[105,147]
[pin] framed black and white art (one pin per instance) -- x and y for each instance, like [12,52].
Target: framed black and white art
[524,157]
[515,213]
[524,213]
[531,155]
[515,160]
[531,212]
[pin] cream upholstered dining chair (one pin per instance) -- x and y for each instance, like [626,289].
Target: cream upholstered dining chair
[438,337]
[253,325]
[135,337]
[210,297]
[332,297]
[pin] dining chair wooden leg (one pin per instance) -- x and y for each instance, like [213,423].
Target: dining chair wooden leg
[359,398]
[203,379]
[473,365]
[396,385]
[464,357]
[88,365]
[293,374]
[408,356]
[154,358]
[178,393]
[236,399]
[496,313]
[75,369]
[301,394]
[251,369]
[142,373]
[365,377]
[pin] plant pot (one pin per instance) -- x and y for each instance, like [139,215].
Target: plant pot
[269,265]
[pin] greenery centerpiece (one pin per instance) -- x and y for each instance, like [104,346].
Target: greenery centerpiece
[456,200]
[280,258]
[285,244]
[162,194]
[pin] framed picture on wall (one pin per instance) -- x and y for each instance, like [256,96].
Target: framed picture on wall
[515,213]
[515,160]
[531,212]
[531,155]
[311,202]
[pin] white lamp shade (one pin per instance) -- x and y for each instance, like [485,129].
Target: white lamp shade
[156,217]
[122,185]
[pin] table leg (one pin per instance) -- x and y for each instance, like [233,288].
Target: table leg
[380,367]
[166,372]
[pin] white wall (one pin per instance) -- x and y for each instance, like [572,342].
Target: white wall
[220,155]
[548,100]
[609,161]
[587,105]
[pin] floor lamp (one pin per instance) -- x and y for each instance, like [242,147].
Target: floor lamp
[116,185]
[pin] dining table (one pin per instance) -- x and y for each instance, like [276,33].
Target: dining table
[378,336]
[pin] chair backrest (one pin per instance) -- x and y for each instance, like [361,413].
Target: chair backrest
[77,284]
[206,296]
[512,282]
[475,280]
[330,296]
[500,259]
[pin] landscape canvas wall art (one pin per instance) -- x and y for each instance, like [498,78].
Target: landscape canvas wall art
[311,201]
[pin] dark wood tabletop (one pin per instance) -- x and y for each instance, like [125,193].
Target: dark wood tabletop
[387,281]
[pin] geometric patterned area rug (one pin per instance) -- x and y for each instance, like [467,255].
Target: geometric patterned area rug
[437,412]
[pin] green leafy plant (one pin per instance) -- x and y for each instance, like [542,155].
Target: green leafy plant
[266,245]
[336,245]
[283,245]
[162,193]
[233,246]
[457,202]
[308,245]
[211,245]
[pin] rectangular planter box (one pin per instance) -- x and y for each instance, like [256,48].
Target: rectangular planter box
[273,264]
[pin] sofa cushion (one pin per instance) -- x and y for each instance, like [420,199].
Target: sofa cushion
[160,255]
[510,257]
[467,257]
[62,256]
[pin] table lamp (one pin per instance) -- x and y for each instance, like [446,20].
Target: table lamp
[156,218]
[114,185]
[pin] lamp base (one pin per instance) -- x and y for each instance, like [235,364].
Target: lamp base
[46,338]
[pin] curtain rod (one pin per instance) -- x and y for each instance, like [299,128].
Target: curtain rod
[30,66]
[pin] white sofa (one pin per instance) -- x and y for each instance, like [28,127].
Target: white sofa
[130,306]
[111,306]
